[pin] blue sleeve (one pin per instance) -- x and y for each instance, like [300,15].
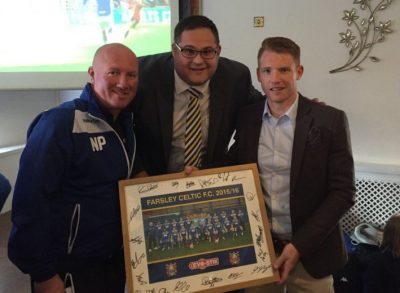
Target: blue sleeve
[5,189]
[43,165]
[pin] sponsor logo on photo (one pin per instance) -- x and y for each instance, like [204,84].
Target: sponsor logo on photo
[203,263]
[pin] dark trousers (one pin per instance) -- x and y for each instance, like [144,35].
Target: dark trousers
[107,276]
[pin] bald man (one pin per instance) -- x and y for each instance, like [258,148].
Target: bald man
[66,217]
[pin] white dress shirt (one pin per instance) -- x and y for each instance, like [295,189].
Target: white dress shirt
[274,161]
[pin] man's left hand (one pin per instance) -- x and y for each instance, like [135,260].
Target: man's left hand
[286,262]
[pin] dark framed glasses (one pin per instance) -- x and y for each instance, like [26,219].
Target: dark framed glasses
[208,53]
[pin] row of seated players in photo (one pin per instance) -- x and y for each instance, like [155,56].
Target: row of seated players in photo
[190,232]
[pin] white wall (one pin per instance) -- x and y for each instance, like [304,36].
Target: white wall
[371,98]
[17,110]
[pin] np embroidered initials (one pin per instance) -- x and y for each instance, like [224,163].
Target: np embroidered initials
[97,143]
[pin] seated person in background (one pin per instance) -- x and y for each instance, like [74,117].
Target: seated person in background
[383,272]
[5,189]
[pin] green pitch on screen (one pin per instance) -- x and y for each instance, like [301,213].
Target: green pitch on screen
[47,46]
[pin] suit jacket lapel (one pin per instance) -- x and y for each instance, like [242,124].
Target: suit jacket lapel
[165,107]
[248,134]
[218,100]
[216,114]
[254,131]
[303,123]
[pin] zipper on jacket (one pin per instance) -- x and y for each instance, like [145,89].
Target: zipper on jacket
[69,283]
[74,227]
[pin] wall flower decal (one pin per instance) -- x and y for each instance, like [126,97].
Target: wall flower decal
[368,32]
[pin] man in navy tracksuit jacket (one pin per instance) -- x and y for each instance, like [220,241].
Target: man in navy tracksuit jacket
[66,213]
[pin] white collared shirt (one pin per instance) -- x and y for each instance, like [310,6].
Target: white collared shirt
[274,161]
[181,102]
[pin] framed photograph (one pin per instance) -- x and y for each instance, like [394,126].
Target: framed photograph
[189,7]
[206,232]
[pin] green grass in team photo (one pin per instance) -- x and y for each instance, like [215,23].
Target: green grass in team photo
[203,246]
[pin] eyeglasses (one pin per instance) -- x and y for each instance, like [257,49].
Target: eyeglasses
[208,53]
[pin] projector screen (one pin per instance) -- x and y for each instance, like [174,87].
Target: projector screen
[49,44]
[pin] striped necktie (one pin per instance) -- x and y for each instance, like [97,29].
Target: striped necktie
[193,136]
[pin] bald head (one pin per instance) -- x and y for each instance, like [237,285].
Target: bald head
[114,77]
[112,51]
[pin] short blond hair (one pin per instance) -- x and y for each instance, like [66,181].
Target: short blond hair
[280,45]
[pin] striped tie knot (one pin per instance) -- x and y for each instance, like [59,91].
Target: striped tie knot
[194,92]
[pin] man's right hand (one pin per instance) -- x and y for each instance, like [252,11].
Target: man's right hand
[189,169]
[53,285]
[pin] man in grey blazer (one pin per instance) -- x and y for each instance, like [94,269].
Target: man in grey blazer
[306,169]
[161,103]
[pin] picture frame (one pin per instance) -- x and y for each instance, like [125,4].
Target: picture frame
[189,7]
[207,231]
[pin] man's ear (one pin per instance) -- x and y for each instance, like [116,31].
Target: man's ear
[258,74]
[173,49]
[300,71]
[91,73]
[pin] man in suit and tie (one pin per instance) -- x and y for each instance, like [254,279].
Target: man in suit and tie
[306,169]
[162,104]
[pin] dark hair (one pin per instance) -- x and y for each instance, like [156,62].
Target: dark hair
[391,235]
[195,22]
[280,45]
